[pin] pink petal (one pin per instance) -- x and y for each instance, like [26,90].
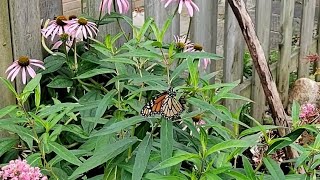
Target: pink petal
[15,73]
[109,6]
[24,75]
[14,64]
[31,72]
[12,71]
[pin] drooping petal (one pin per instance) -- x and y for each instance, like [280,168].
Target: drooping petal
[24,75]
[31,72]
[15,73]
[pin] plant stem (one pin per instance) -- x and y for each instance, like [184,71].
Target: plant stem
[189,29]
[166,62]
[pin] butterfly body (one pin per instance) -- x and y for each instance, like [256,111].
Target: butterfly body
[164,104]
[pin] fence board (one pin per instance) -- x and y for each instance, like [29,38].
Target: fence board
[206,35]
[233,53]
[286,27]
[50,9]
[307,21]
[263,22]
[92,9]
[156,10]
[6,58]
[25,27]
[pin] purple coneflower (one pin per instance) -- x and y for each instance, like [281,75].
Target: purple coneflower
[123,5]
[55,27]
[64,38]
[185,45]
[23,64]
[182,43]
[188,3]
[82,28]
[203,63]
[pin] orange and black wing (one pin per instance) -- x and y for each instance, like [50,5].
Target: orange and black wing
[154,106]
[171,108]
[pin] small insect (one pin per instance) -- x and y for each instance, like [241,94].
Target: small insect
[164,104]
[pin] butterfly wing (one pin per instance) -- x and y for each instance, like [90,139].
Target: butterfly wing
[154,106]
[171,108]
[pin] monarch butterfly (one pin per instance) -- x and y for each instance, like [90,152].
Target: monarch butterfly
[164,104]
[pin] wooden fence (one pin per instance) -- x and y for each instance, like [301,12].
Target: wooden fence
[20,27]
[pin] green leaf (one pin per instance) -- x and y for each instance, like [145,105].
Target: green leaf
[154,176]
[248,168]
[316,143]
[193,70]
[64,153]
[7,144]
[196,55]
[6,110]
[213,109]
[166,140]
[141,53]
[32,84]
[175,160]
[183,66]
[119,60]
[228,144]
[273,168]
[9,86]
[144,29]
[95,72]
[295,113]
[302,158]
[34,160]
[104,103]
[53,63]
[237,175]
[256,129]
[58,117]
[24,133]
[116,127]
[37,96]
[105,154]
[288,139]
[142,157]
[60,82]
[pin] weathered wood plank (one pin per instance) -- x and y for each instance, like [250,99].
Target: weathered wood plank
[263,22]
[204,28]
[286,20]
[233,52]
[25,30]
[156,10]
[50,9]
[6,57]
[307,21]
[92,9]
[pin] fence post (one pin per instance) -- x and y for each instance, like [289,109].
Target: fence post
[306,32]
[263,21]
[25,31]
[283,73]
[204,28]
[50,9]
[155,9]
[233,53]
[112,28]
